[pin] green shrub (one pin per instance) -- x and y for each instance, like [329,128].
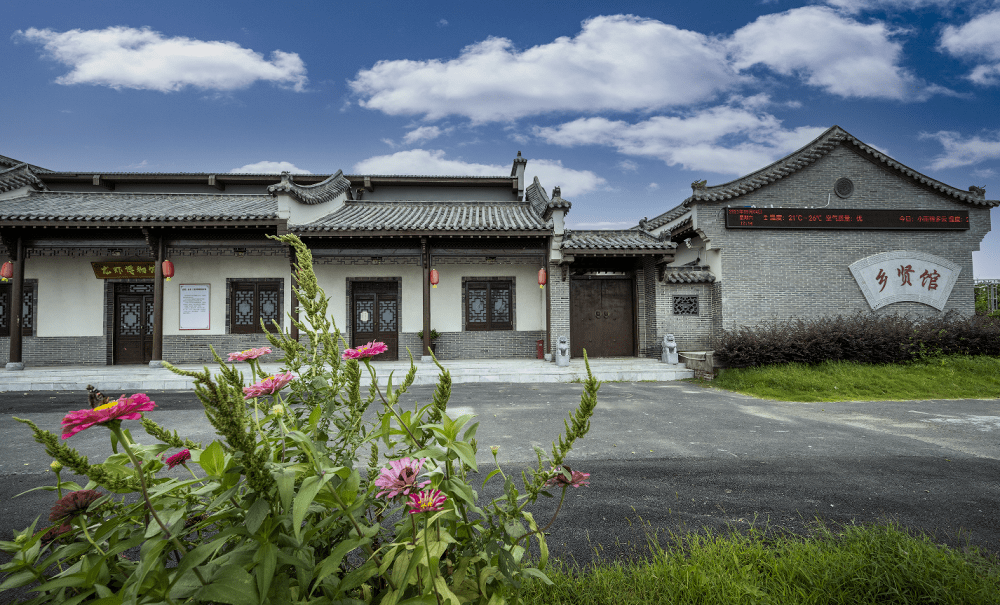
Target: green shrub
[863,338]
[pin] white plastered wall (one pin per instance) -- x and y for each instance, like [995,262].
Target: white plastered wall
[215,271]
[70,298]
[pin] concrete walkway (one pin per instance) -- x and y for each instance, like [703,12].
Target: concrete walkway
[142,378]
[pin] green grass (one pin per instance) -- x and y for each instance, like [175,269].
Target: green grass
[858,565]
[951,377]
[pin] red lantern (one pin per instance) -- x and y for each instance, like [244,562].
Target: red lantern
[168,269]
[434,278]
[7,271]
[542,278]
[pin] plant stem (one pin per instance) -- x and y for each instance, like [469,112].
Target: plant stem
[430,570]
[145,496]
[86,534]
[551,521]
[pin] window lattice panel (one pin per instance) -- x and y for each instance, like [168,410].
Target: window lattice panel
[4,307]
[130,323]
[501,306]
[149,316]
[685,305]
[387,315]
[477,306]
[268,306]
[365,316]
[244,308]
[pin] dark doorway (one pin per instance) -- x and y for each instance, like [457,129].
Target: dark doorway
[375,307]
[601,316]
[133,323]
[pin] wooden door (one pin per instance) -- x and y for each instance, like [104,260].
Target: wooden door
[602,320]
[133,319]
[375,308]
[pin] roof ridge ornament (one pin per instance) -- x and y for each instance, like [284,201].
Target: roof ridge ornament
[978,191]
[699,185]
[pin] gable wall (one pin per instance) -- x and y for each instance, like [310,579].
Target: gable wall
[778,274]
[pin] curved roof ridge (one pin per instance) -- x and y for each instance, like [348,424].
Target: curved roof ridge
[20,176]
[809,153]
[324,191]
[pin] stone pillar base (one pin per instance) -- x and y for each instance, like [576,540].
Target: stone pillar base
[156,363]
[426,359]
[15,365]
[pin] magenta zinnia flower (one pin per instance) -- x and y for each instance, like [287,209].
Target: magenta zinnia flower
[249,354]
[120,409]
[73,504]
[268,386]
[179,458]
[427,501]
[400,478]
[365,351]
[561,480]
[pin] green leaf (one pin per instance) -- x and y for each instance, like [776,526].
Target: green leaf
[267,561]
[540,536]
[332,562]
[212,460]
[427,599]
[536,573]
[286,487]
[470,432]
[232,585]
[18,579]
[490,476]
[443,591]
[198,555]
[256,515]
[465,452]
[307,493]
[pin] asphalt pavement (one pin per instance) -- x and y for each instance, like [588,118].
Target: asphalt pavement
[664,457]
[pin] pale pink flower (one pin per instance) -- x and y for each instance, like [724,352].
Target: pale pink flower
[400,478]
[249,354]
[561,480]
[124,408]
[179,458]
[268,386]
[364,351]
[427,501]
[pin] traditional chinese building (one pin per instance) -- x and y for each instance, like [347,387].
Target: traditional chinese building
[835,227]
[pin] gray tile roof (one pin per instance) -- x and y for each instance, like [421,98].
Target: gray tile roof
[687,275]
[313,194]
[428,216]
[617,241]
[815,150]
[6,162]
[666,217]
[535,194]
[139,207]
[17,177]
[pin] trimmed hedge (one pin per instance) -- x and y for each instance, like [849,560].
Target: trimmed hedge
[863,338]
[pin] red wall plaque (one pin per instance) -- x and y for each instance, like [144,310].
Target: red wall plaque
[844,218]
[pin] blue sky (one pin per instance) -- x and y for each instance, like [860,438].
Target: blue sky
[622,104]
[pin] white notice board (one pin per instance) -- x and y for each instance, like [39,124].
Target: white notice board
[194,306]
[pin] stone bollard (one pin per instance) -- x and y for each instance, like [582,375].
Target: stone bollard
[562,353]
[669,353]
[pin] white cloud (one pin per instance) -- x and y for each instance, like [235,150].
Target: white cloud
[830,51]
[857,6]
[984,173]
[652,187]
[964,152]
[442,23]
[433,162]
[722,139]
[628,166]
[269,168]
[424,133]
[125,57]
[977,39]
[619,63]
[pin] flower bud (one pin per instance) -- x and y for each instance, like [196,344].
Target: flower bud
[56,466]
[21,539]
[277,410]
[495,449]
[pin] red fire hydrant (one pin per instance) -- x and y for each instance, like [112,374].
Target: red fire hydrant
[540,346]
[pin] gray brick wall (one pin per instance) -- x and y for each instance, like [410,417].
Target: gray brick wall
[57,350]
[779,274]
[501,344]
[692,332]
[559,310]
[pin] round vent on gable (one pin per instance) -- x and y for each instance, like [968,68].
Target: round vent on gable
[844,187]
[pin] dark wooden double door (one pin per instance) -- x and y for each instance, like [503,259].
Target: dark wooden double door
[602,319]
[133,323]
[375,314]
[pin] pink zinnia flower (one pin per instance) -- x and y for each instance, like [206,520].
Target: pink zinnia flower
[400,478]
[364,351]
[249,354]
[561,480]
[268,386]
[179,458]
[73,504]
[427,501]
[120,409]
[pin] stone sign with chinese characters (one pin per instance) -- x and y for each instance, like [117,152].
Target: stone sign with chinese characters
[120,269]
[906,275]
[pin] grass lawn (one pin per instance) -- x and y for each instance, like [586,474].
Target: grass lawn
[857,566]
[951,377]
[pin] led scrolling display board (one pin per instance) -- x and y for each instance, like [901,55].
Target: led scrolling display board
[844,218]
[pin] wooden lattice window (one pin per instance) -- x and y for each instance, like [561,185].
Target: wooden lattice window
[686,305]
[250,302]
[27,311]
[489,305]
